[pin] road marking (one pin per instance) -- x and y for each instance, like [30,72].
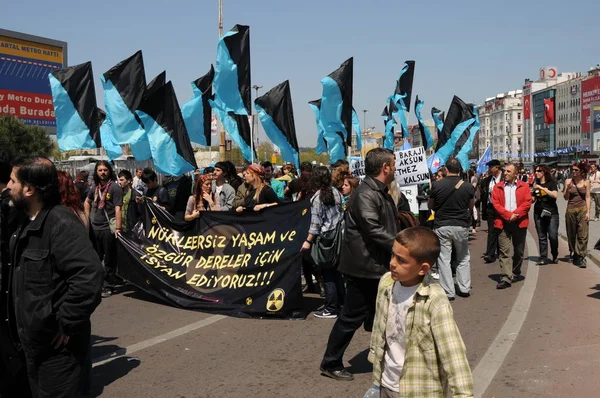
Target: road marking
[156,340]
[490,363]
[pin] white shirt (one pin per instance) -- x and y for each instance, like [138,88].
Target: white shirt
[395,335]
[595,181]
[493,182]
[510,196]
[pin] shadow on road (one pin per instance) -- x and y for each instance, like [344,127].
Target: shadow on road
[495,277]
[597,294]
[101,350]
[106,374]
[360,363]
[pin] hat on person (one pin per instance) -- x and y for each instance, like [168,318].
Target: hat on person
[257,168]
[223,166]
[493,162]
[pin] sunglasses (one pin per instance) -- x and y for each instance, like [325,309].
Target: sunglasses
[539,171]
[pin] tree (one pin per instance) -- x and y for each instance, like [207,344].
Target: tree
[23,140]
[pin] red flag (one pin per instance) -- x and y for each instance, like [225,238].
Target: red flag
[527,107]
[549,110]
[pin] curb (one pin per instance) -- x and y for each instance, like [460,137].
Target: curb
[591,253]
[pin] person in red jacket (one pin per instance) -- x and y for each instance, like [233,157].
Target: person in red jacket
[512,200]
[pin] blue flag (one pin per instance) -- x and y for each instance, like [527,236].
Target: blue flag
[336,110]
[389,121]
[405,145]
[124,87]
[231,86]
[434,163]
[276,114]
[460,118]
[426,137]
[113,150]
[321,143]
[74,99]
[482,166]
[169,141]
[402,95]
[196,112]
[467,147]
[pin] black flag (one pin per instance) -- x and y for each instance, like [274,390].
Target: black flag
[231,103]
[171,148]
[74,99]
[405,83]
[277,117]
[439,117]
[465,134]
[343,77]
[156,83]
[124,88]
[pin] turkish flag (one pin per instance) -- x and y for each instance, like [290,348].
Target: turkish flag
[549,110]
[527,107]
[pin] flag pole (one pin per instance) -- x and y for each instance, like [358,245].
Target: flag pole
[220,126]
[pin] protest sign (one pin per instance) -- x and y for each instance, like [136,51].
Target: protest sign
[357,167]
[411,167]
[411,191]
[239,264]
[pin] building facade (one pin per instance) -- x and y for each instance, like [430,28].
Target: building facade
[540,140]
[501,119]
[568,119]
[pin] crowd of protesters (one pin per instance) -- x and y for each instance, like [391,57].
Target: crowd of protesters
[376,279]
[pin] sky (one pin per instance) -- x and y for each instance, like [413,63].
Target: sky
[473,49]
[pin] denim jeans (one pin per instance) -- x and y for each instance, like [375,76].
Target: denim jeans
[335,291]
[547,230]
[457,238]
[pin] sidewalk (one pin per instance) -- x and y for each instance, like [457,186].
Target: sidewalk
[594,232]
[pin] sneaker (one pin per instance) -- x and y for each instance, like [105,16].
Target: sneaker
[324,314]
[106,292]
[435,275]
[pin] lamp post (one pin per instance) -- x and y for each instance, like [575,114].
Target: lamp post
[255,131]
[362,149]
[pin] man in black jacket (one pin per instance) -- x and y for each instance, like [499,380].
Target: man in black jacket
[487,186]
[55,282]
[371,225]
[13,374]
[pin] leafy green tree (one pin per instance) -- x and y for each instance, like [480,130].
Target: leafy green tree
[23,140]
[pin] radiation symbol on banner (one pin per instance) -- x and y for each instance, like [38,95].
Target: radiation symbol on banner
[275,300]
[249,301]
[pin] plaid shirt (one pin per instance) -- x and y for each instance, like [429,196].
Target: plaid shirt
[325,218]
[436,358]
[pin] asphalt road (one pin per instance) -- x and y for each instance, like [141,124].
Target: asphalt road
[541,337]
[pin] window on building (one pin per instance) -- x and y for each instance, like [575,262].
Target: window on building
[518,128]
[518,115]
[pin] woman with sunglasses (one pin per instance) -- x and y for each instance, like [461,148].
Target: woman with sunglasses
[545,213]
[577,193]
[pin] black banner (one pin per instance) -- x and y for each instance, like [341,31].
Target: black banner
[245,264]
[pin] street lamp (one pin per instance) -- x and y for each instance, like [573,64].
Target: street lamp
[255,132]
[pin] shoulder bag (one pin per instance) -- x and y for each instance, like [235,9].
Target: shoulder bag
[327,247]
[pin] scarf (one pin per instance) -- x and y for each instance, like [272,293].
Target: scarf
[100,195]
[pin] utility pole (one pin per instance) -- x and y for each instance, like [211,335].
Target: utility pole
[254,137]
[222,128]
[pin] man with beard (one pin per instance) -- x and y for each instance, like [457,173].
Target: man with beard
[13,374]
[55,282]
[104,203]
[371,226]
